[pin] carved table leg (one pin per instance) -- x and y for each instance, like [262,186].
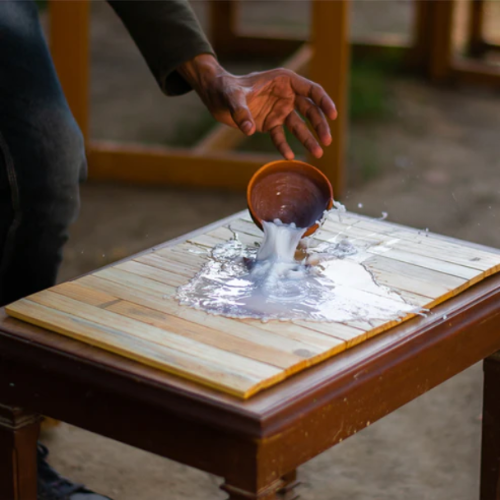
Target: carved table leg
[490,447]
[18,439]
[268,493]
[290,482]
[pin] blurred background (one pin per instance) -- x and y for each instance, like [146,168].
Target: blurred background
[427,154]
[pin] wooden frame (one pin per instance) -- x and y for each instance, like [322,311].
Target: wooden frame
[477,43]
[210,162]
[443,65]
[207,164]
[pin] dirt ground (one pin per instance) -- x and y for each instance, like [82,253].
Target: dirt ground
[433,163]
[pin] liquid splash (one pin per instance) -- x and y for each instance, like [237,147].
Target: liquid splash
[327,283]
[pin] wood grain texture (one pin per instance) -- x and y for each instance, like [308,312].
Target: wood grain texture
[130,308]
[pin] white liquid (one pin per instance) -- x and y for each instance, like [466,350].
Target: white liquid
[280,241]
[329,284]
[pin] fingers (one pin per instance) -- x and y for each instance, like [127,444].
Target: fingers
[316,117]
[316,93]
[279,140]
[237,104]
[299,129]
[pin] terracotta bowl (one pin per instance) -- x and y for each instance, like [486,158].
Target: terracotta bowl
[291,191]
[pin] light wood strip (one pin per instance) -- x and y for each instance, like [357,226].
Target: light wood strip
[184,253]
[339,331]
[165,338]
[410,297]
[74,290]
[414,283]
[205,335]
[155,260]
[420,237]
[153,273]
[246,226]
[381,297]
[253,240]
[292,331]
[428,263]
[153,300]
[349,334]
[309,345]
[151,287]
[201,333]
[435,278]
[206,241]
[135,348]
[410,278]
[479,261]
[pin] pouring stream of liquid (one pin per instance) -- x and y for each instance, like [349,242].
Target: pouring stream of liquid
[329,284]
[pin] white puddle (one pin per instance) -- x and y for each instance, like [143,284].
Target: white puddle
[327,282]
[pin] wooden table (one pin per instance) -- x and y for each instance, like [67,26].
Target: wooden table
[256,445]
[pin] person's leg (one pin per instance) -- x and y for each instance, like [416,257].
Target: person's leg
[42,157]
[42,160]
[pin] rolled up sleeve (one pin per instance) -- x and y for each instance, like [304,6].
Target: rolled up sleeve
[168,34]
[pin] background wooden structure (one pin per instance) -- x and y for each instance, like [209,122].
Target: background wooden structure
[325,58]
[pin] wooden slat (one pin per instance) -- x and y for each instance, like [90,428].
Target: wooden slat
[375,295]
[183,254]
[161,290]
[406,277]
[231,343]
[148,297]
[441,282]
[414,235]
[153,273]
[411,243]
[160,262]
[349,334]
[74,290]
[157,336]
[108,338]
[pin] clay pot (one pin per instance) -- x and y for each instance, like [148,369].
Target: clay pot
[291,191]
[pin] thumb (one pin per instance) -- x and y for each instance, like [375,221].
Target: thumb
[240,113]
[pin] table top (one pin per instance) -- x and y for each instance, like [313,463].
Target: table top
[130,308]
[401,363]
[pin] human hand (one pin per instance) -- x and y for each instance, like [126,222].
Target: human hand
[264,102]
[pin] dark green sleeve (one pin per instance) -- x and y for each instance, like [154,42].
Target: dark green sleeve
[167,33]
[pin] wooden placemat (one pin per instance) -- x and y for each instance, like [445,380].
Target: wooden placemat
[130,308]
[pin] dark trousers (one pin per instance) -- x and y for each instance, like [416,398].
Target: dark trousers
[42,157]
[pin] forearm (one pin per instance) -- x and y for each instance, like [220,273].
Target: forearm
[200,71]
